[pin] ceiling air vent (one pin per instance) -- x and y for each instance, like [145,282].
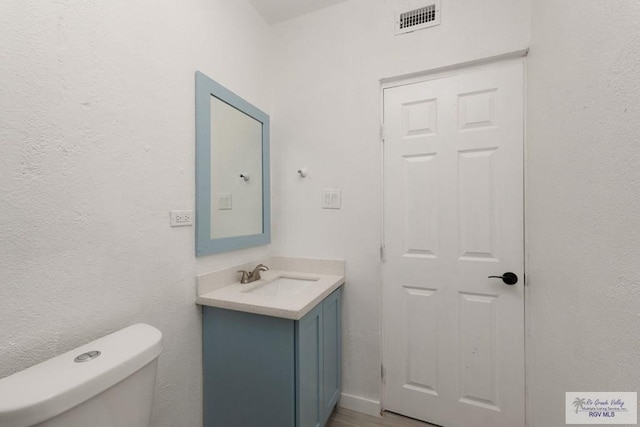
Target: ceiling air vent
[417,19]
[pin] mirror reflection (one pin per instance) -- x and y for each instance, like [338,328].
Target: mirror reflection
[236,172]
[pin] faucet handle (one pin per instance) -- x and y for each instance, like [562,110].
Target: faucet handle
[255,274]
[245,276]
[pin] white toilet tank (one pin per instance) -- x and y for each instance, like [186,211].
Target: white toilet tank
[106,383]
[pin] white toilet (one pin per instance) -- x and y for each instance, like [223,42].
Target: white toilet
[106,383]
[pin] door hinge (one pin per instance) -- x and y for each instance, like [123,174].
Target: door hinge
[382,134]
[382,254]
[382,372]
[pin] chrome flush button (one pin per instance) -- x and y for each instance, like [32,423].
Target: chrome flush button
[85,357]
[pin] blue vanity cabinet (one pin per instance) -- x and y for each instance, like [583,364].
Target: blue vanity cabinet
[309,363]
[248,369]
[271,372]
[332,352]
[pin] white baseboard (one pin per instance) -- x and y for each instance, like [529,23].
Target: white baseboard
[360,404]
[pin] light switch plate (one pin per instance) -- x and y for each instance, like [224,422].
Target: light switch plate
[225,202]
[331,198]
[181,218]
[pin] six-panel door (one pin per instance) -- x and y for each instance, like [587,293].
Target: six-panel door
[453,215]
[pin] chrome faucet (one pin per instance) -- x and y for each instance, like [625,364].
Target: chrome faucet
[248,277]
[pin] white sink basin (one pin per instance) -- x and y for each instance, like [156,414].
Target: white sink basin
[282,287]
[287,294]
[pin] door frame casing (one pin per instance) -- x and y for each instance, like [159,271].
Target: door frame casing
[435,74]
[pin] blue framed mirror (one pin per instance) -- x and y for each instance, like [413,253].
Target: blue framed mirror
[232,171]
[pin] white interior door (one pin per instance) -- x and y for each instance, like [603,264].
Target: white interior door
[453,188]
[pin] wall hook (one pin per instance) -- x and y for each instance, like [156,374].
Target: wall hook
[302,173]
[245,177]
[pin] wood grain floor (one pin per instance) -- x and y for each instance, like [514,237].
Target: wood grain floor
[345,418]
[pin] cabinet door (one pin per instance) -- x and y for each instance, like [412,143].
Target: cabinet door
[309,362]
[332,351]
[248,369]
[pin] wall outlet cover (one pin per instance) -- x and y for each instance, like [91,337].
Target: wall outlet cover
[181,218]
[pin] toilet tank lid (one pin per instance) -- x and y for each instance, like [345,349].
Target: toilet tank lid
[43,391]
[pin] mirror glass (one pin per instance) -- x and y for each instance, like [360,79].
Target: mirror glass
[232,170]
[236,172]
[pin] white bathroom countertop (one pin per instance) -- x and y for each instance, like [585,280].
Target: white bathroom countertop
[288,305]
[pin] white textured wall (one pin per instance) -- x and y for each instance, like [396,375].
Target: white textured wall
[96,146]
[326,118]
[583,202]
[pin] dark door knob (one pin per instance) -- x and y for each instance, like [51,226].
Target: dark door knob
[508,278]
